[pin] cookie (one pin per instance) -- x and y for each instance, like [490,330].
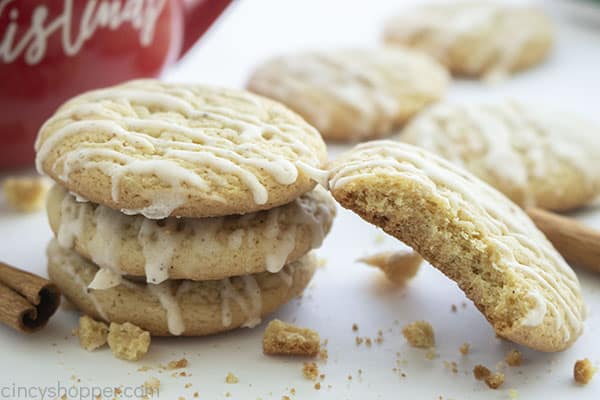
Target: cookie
[161,149]
[472,233]
[191,248]
[352,95]
[477,39]
[181,307]
[535,156]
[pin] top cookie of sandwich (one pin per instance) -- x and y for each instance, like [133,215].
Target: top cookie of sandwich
[535,156]
[472,233]
[160,149]
[352,95]
[475,38]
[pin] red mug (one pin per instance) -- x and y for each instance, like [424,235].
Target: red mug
[50,50]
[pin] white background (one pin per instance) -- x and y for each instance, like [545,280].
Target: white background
[343,292]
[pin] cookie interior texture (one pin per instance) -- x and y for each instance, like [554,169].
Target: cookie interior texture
[179,307]
[191,248]
[534,155]
[161,149]
[472,233]
[351,95]
[475,38]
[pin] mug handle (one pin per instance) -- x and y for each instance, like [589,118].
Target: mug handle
[199,15]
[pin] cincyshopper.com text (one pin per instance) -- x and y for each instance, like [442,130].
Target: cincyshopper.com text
[59,391]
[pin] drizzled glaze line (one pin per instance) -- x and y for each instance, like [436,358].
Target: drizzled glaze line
[56,256]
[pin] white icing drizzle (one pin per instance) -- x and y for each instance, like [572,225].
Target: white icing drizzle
[234,242]
[446,24]
[71,223]
[249,302]
[170,132]
[158,246]
[57,256]
[508,143]
[72,226]
[170,304]
[318,175]
[105,245]
[536,315]
[554,288]
[287,275]
[371,83]
[105,279]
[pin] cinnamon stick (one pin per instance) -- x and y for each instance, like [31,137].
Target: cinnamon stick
[27,301]
[576,242]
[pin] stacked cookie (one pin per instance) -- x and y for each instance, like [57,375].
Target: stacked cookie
[186,210]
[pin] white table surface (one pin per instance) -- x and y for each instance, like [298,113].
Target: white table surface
[343,292]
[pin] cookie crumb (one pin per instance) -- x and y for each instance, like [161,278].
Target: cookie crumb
[431,354]
[25,194]
[514,358]
[127,341]
[354,327]
[177,364]
[92,334]
[231,378]
[324,354]
[281,338]
[419,334]
[358,340]
[495,380]
[152,385]
[464,349]
[310,370]
[583,371]
[453,308]
[398,266]
[452,366]
[317,386]
[481,372]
